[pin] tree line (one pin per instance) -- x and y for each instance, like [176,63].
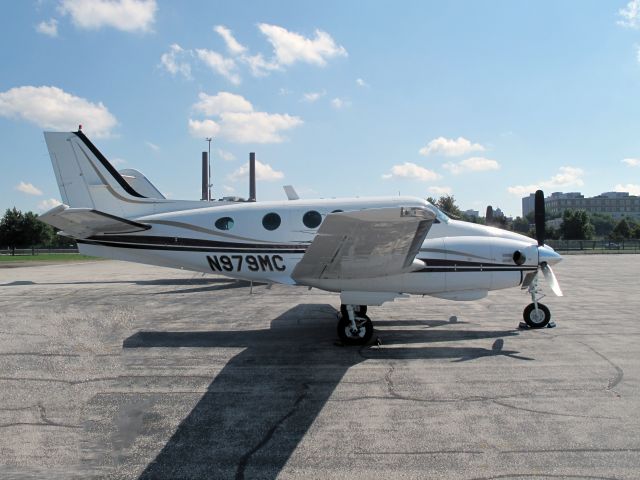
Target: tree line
[24,230]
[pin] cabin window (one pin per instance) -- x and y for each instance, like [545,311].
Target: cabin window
[224,223]
[312,219]
[271,221]
[337,211]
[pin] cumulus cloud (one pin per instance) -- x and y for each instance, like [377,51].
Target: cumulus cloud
[222,102]
[361,83]
[440,190]
[264,172]
[234,47]
[450,147]
[174,61]
[340,103]
[53,108]
[28,188]
[632,162]
[290,47]
[412,171]
[312,96]
[49,28]
[125,15]
[203,128]
[238,122]
[48,204]
[221,65]
[152,146]
[633,189]
[473,164]
[226,156]
[566,177]
[630,15]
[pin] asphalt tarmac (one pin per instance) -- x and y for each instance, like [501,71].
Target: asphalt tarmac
[117,370]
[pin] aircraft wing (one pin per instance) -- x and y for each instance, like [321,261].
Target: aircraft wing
[84,222]
[365,244]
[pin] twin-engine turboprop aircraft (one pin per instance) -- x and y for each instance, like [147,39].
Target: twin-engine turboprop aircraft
[370,250]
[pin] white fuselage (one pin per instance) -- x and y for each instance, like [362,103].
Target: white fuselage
[463,261]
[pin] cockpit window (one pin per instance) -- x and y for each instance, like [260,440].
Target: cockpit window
[441,217]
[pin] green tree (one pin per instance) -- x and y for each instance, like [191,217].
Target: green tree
[12,232]
[621,230]
[34,231]
[602,223]
[636,232]
[447,203]
[520,225]
[576,225]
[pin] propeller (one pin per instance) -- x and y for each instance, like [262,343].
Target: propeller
[544,252]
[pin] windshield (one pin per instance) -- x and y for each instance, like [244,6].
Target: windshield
[440,215]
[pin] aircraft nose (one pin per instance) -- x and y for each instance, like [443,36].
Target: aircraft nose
[548,255]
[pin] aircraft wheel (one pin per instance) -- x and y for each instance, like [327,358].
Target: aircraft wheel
[358,310]
[540,320]
[359,337]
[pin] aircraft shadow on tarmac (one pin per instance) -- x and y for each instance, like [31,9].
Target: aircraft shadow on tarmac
[259,407]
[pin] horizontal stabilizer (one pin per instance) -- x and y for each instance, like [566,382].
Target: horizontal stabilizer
[365,244]
[85,222]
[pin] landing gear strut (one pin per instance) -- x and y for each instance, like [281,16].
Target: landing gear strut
[536,315]
[354,327]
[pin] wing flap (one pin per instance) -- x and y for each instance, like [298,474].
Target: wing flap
[85,222]
[365,244]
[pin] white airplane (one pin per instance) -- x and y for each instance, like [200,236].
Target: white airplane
[370,250]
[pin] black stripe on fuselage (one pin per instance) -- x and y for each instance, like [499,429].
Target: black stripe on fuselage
[105,163]
[150,242]
[438,265]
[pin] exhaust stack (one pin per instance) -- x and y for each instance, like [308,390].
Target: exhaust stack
[205,177]
[252,177]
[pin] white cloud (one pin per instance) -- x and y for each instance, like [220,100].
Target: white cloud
[264,172]
[290,47]
[228,189]
[126,15]
[312,96]
[340,103]
[566,177]
[203,128]
[53,108]
[217,63]
[440,190]
[172,63]
[632,162]
[258,65]
[234,47]
[238,122]
[48,204]
[629,187]
[473,164]
[221,103]
[117,161]
[630,15]
[152,146]
[361,83]
[411,170]
[28,188]
[226,156]
[49,28]
[450,147]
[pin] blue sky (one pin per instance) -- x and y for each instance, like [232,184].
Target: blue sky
[485,100]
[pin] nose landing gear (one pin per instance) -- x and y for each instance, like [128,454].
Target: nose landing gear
[536,315]
[354,327]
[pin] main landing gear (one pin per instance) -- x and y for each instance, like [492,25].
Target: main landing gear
[354,327]
[536,315]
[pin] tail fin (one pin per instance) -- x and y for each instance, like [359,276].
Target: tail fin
[87,180]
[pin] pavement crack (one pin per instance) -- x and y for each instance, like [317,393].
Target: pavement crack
[244,460]
[547,412]
[617,378]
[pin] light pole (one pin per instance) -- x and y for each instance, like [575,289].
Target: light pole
[208,139]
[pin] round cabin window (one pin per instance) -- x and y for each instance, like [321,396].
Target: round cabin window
[224,223]
[312,219]
[337,211]
[271,221]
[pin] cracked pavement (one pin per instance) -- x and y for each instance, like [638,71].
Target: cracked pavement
[118,370]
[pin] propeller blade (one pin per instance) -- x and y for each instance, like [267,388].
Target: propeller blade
[551,279]
[539,217]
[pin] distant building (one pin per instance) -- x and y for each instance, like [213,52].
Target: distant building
[497,213]
[472,213]
[528,204]
[616,204]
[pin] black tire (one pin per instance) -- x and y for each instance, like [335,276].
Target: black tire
[358,310]
[530,319]
[365,330]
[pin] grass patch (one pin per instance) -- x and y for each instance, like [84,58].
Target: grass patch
[46,257]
